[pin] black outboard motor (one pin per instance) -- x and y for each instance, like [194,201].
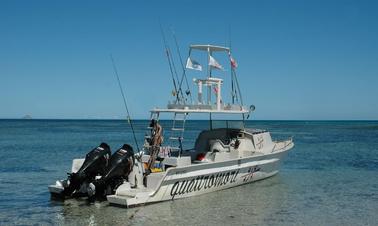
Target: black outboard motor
[95,164]
[120,165]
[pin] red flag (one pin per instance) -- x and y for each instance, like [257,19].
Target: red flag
[233,63]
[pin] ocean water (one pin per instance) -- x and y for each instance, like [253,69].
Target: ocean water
[329,178]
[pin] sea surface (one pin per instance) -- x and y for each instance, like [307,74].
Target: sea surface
[329,178]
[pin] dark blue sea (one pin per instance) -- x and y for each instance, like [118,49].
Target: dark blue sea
[329,178]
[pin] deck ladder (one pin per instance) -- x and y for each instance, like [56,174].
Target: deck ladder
[177,130]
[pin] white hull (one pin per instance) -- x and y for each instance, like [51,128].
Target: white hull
[200,179]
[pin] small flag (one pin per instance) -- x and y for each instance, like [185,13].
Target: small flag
[192,64]
[234,64]
[214,63]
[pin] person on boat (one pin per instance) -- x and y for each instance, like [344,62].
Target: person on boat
[155,142]
[156,133]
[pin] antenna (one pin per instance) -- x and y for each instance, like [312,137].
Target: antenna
[124,101]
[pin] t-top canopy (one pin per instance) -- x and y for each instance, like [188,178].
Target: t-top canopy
[210,47]
[203,109]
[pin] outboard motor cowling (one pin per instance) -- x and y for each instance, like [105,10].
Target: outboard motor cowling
[95,164]
[120,165]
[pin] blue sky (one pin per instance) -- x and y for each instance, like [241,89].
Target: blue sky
[297,59]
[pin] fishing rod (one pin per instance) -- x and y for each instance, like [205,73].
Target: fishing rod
[175,72]
[124,102]
[237,86]
[167,51]
[182,66]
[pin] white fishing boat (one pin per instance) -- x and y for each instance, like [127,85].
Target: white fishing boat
[220,158]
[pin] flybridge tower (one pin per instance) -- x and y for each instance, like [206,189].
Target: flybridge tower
[213,88]
[213,103]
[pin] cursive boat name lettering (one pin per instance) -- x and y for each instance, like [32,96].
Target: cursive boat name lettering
[250,173]
[198,183]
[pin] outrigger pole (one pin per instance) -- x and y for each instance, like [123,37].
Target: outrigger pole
[170,62]
[234,78]
[232,75]
[124,102]
[188,92]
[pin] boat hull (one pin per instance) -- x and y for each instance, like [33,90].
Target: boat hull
[199,179]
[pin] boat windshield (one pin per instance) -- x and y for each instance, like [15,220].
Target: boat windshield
[230,124]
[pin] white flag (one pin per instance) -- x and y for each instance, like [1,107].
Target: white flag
[192,64]
[214,63]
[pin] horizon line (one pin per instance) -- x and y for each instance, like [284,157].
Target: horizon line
[110,119]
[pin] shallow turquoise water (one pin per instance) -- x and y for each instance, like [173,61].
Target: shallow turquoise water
[329,178]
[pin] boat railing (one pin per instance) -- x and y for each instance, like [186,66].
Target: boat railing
[285,142]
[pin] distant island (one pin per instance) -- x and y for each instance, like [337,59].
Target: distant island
[27,117]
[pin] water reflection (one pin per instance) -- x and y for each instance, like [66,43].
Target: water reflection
[251,204]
